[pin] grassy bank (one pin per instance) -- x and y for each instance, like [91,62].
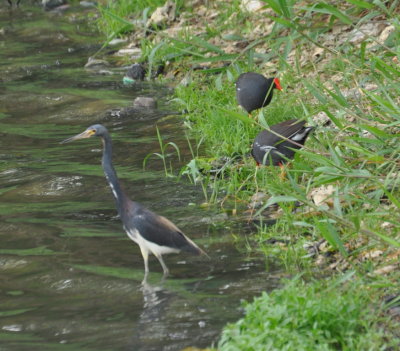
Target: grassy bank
[338,206]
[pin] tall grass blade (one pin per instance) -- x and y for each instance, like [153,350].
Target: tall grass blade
[330,234]
[330,10]
[236,115]
[361,4]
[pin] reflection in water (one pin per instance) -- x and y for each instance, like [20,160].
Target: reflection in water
[148,328]
[70,279]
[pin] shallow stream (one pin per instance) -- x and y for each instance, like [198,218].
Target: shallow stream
[70,279]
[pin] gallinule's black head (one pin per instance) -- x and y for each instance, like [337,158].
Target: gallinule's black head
[271,149]
[254,91]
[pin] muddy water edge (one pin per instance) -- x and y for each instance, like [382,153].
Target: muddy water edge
[70,278]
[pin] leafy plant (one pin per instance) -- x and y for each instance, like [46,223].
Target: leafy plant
[335,314]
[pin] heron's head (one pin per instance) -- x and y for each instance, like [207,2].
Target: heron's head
[94,130]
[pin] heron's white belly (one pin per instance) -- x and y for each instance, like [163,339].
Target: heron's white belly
[148,245]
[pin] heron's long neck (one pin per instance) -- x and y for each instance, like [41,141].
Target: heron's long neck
[109,171]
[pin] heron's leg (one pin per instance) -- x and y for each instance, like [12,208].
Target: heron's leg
[164,266]
[145,255]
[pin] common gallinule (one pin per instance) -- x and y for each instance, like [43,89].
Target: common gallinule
[153,233]
[254,91]
[274,147]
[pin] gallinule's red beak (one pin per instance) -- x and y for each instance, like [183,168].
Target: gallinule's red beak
[277,84]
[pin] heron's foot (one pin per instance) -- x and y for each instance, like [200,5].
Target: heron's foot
[165,275]
[144,281]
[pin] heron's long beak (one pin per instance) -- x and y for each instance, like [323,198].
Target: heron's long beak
[86,134]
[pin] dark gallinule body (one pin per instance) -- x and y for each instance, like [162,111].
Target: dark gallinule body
[254,91]
[153,233]
[271,149]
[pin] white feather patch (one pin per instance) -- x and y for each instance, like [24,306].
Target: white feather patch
[300,136]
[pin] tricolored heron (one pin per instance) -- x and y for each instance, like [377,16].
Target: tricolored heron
[254,91]
[153,233]
[277,145]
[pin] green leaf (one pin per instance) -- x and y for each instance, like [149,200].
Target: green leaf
[378,132]
[331,10]
[385,68]
[279,199]
[171,143]
[362,4]
[206,45]
[316,92]
[335,120]
[387,239]
[218,82]
[219,58]
[274,5]
[330,234]
[282,21]
[236,115]
[392,198]
[286,10]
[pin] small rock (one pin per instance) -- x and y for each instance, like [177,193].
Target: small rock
[323,195]
[136,72]
[320,260]
[133,53]
[144,101]
[117,41]
[373,254]
[213,219]
[96,64]
[321,118]
[163,15]
[387,225]
[367,134]
[353,93]
[357,35]
[317,54]
[88,4]
[369,86]
[186,80]
[51,4]
[385,33]
[251,5]
[386,269]
[105,72]
[257,199]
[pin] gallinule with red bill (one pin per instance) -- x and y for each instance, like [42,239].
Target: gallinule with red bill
[276,146]
[254,91]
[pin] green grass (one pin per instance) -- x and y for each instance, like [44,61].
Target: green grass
[116,16]
[358,153]
[357,87]
[334,314]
